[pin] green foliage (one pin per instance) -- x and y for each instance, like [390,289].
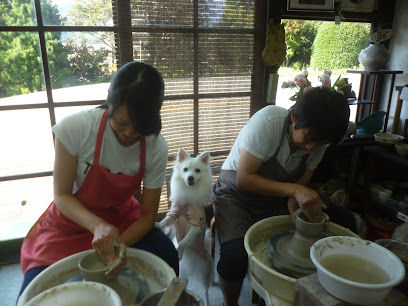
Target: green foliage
[91,13]
[238,13]
[338,46]
[89,64]
[299,37]
[20,58]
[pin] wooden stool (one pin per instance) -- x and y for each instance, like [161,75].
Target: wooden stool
[212,231]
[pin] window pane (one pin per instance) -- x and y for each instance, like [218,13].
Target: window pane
[17,13]
[21,72]
[226,13]
[178,86]
[220,121]
[224,55]
[159,12]
[178,125]
[16,219]
[27,142]
[77,12]
[171,53]
[62,112]
[78,59]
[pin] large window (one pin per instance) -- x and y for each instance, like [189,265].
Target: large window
[58,57]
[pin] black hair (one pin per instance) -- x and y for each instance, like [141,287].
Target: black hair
[325,112]
[140,86]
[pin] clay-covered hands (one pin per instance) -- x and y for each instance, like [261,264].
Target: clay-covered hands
[305,196]
[313,213]
[310,201]
[106,237]
[119,263]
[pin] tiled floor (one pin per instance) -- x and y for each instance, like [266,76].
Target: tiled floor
[11,279]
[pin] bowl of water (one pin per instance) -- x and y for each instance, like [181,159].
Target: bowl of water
[356,270]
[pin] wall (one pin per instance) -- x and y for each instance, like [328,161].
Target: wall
[398,61]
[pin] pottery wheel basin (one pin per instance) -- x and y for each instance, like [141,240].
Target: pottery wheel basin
[289,251]
[156,273]
[260,268]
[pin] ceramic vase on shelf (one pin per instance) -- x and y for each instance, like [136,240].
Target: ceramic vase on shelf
[374,57]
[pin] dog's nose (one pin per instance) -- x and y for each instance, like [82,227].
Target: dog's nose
[190,180]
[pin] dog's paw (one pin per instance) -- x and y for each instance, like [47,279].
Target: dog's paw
[169,231]
[167,221]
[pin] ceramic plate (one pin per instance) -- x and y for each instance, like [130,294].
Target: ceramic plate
[130,285]
[78,293]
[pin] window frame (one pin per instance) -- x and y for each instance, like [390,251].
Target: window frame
[122,29]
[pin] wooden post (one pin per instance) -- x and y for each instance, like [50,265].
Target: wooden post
[397,114]
[387,113]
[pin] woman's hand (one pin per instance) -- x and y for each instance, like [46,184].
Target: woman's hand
[306,197]
[106,237]
[119,263]
[311,203]
[293,208]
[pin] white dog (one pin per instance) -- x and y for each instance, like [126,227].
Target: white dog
[191,185]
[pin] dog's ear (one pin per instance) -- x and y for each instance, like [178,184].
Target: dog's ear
[182,155]
[205,157]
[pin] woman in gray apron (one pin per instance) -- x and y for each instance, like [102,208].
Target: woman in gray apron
[267,171]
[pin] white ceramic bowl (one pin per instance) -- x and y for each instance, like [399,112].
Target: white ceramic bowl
[352,291]
[402,149]
[387,140]
[78,293]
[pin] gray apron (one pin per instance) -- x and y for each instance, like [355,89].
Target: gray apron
[236,210]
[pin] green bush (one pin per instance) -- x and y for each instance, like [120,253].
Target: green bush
[338,46]
[299,37]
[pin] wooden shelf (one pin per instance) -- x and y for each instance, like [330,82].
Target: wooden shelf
[364,95]
[387,154]
[368,72]
[360,102]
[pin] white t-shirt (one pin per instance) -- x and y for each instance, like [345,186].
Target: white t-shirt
[261,137]
[78,134]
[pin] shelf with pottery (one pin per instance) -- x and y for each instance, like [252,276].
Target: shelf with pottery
[362,99]
[374,58]
[387,205]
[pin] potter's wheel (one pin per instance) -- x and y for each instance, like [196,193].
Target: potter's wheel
[273,286]
[155,271]
[285,260]
[289,250]
[130,285]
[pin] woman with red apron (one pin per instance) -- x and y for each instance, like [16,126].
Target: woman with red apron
[104,211]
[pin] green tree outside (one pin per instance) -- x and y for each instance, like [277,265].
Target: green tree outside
[338,46]
[20,58]
[299,37]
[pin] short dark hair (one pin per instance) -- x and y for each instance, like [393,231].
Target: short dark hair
[140,86]
[325,112]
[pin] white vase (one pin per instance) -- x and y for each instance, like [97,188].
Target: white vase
[374,57]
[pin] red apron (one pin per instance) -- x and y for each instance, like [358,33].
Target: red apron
[107,195]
